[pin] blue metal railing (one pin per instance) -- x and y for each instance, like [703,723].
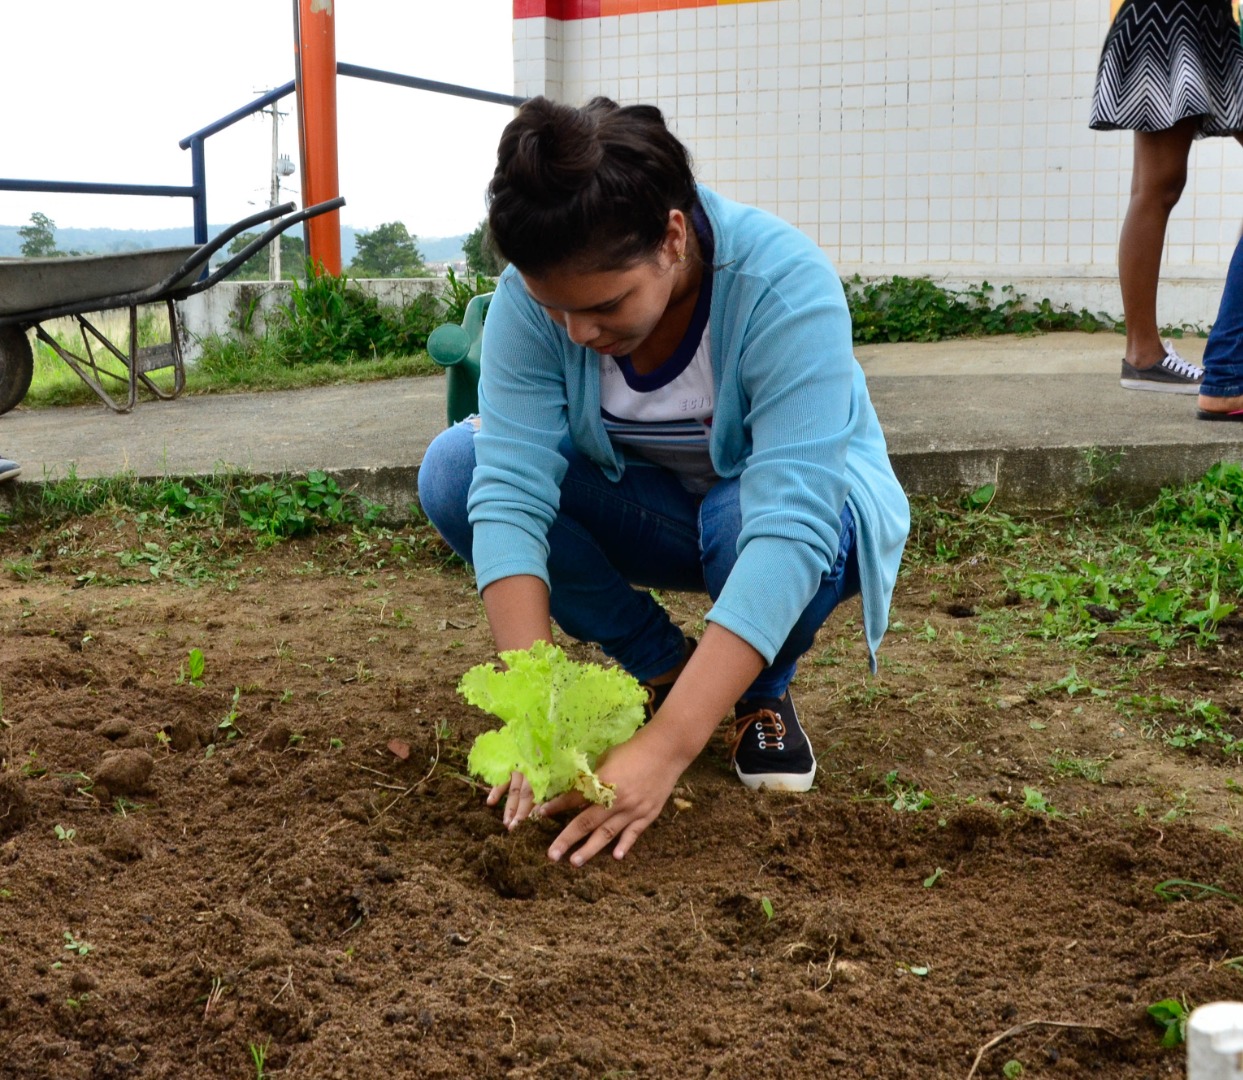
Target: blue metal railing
[197,189]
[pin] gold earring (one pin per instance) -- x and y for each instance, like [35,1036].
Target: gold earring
[682,256]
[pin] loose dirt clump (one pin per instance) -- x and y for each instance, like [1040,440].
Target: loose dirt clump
[285,853]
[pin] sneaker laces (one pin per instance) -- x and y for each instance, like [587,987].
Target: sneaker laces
[772,730]
[1180,365]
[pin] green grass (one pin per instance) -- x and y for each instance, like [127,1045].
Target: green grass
[232,366]
[54,383]
[330,332]
[1130,592]
[918,309]
[117,531]
[1120,579]
[227,365]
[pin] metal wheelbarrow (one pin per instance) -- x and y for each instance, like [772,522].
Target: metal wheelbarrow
[33,291]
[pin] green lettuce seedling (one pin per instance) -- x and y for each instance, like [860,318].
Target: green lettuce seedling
[559,716]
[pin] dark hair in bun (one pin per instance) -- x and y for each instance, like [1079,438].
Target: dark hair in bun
[592,186]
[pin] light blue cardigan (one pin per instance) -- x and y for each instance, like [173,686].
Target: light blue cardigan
[792,418]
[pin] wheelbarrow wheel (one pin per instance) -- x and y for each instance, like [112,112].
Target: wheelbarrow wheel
[17,366]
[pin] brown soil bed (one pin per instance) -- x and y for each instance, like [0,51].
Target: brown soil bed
[328,883]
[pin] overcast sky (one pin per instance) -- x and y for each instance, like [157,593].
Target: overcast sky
[103,91]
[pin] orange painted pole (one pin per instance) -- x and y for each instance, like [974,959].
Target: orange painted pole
[315,44]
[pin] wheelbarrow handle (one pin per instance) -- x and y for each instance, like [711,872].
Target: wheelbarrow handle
[203,254]
[260,242]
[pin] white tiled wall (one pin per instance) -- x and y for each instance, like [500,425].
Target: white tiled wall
[942,137]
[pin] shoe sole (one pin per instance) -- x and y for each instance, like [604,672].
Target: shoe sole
[777,781]
[1160,387]
[1205,414]
[12,474]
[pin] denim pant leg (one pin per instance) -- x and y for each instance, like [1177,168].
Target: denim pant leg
[645,530]
[610,544]
[1223,354]
[607,537]
[720,520]
[444,481]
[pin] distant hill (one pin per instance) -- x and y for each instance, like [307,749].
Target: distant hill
[113,241]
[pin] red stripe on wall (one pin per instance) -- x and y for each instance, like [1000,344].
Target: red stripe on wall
[569,10]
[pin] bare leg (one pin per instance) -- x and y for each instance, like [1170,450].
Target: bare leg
[1157,180]
[1220,404]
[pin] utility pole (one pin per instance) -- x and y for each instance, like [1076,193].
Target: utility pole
[281,166]
[274,249]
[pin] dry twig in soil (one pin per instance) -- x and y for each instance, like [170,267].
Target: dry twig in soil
[1018,1029]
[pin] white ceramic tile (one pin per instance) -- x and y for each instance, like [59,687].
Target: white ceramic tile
[851,210]
[954,126]
[1056,233]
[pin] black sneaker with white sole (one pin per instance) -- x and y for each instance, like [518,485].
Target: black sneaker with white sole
[1172,374]
[770,748]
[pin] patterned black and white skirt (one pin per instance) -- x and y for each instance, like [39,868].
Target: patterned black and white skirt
[1166,60]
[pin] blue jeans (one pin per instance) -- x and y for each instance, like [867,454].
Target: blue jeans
[1223,355]
[646,530]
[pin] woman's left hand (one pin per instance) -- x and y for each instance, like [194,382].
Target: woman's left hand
[643,776]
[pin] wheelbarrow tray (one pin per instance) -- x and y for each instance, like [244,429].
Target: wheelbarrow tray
[36,284]
[36,290]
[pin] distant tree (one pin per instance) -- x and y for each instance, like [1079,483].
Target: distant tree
[480,256]
[293,258]
[39,237]
[387,251]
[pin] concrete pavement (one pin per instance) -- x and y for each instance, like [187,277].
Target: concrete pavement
[1043,417]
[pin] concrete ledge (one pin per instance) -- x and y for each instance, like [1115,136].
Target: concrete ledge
[1043,417]
[1061,476]
[396,488]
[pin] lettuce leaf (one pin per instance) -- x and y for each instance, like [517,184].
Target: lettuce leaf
[559,716]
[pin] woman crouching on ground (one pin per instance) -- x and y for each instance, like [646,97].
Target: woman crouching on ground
[669,399]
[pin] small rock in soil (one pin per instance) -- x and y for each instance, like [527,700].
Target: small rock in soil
[124,772]
[82,982]
[113,728]
[806,1003]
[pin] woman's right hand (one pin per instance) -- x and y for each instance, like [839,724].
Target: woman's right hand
[518,805]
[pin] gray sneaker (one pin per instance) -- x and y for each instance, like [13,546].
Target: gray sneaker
[9,470]
[1172,374]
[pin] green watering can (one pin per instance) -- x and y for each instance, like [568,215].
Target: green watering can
[457,348]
